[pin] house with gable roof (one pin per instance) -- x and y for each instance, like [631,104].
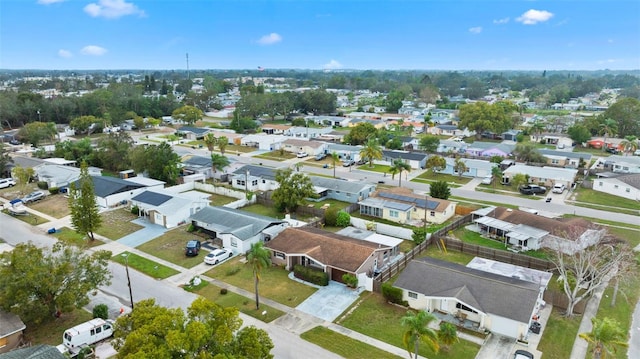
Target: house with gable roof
[346,191]
[402,205]
[295,145]
[621,164]
[111,191]
[11,328]
[546,175]
[254,178]
[415,159]
[621,185]
[565,158]
[475,168]
[236,229]
[193,133]
[167,209]
[489,149]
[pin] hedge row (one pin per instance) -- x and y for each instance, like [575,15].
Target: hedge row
[311,275]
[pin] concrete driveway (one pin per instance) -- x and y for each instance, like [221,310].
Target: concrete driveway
[329,302]
[144,235]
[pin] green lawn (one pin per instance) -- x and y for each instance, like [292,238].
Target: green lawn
[277,156]
[144,265]
[375,168]
[218,200]
[245,305]
[472,237]
[449,256]
[170,247]
[429,176]
[559,335]
[274,282]
[263,210]
[72,237]
[378,319]
[507,191]
[333,203]
[488,203]
[343,345]
[117,224]
[50,332]
[587,196]
[32,219]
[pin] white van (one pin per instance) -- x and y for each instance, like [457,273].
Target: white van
[87,333]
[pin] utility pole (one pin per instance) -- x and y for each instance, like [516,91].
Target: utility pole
[126,263]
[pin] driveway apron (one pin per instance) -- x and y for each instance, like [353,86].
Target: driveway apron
[329,302]
[149,232]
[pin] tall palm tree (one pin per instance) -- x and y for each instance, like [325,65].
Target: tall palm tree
[371,151]
[418,331]
[605,335]
[629,144]
[218,162]
[210,140]
[608,127]
[397,166]
[222,143]
[259,258]
[537,128]
[334,158]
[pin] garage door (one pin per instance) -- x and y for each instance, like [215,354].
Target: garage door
[336,274]
[504,326]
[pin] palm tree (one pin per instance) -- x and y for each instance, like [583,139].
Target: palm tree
[608,127]
[605,335]
[447,335]
[537,128]
[210,140]
[418,331]
[334,158]
[496,172]
[397,166]
[218,162]
[629,144]
[222,143]
[460,166]
[259,258]
[371,151]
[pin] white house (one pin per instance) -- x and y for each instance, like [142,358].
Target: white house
[111,191]
[622,164]
[625,186]
[547,176]
[254,178]
[263,142]
[167,209]
[295,145]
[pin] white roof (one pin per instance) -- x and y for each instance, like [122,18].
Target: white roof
[59,161]
[510,270]
[553,173]
[145,181]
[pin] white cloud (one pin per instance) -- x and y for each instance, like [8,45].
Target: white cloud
[475,30]
[47,2]
[501,21]
[532,17]
[93,50]
[112,9]
[607,61]
[270,39]
[332,65]
[65,53]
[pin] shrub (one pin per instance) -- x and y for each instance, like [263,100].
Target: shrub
[392,294]
[223,291]
[135,210]
[54,190]
[191,228]
[43,185]
[232,270]
[419,235]
[311,275]
[331,216]
[343,220]
[350,280]
[101,311]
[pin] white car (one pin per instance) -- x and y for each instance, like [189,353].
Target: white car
[558,188]
[487,180]
[302,154]
[7,182]
[218,255]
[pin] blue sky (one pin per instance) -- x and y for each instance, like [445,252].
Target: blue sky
[329,34]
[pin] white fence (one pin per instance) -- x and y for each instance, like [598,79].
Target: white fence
[381,228]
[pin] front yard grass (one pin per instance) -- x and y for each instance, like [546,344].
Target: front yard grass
[277,155]
[378,319]
[170,247]
[274,282]
[559,335]
[244,304]
[144,265]
[53,205]
[30,218]
[69,236]
[375,168]
[343,345]
[429,176]
[117,224]
[263,210]
[50,332]
[599,200]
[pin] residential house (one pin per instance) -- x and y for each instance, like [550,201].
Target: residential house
[346,191]
[236,229]
[363,115]
[11,328]
[500,304]
[307,132]
[415,159]
[545,176]
[167,209]
[344,152]
[263,142]
[621,164]
[444,130]
[625,186]
[566,158]
[331,253]
[475,168]
[61,175]
[254,178]
[452,146]
[38,351]
[527,231]
[202,165]
[401,205]
[489,149]
[193,133]
[409,143]
[312,148]
[275,129]
[111,191]
[510,135]
[334,121]
[378,124]
[380,239]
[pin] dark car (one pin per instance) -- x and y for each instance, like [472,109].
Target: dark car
[193,248]
[522,354]
[533,189]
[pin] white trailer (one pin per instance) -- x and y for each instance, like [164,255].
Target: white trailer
[85,334]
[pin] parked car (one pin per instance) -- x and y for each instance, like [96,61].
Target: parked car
[7,182]
[558,188]
[33,196]
[636,153]
[14,142]
[612,150]
[218,255]
[301,154]
[533,189]
[522,354]
[348,163]
[193,248]
[487,180]
[321,156]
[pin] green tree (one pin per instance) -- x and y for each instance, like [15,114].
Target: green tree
[418,330]
[629,144]
[398,166]
[159,162]
[210,141]
[38,284]
[519,179]
[113,151]
[188,114]
[138,121]
[608,127]
[360,133]
[528,152]
[371,151]
[447,335]
[605,336]
[218,162]
[334,159]
[23,175]
[5,161]
[436,164]
[85,124]
[343,219]
[80,151]
[258,258]
[537,128]
[482,117]
[579,134]
[223,142]
[625,112]
[460,166]
[205,331]
[35,132]
[292,190]
[429,143]
[440,189]
[419,234]
[85,218]
[496,173]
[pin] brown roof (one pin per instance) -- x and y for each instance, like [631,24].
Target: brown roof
[301,143]
[442,203]
[327,248]
[561,227]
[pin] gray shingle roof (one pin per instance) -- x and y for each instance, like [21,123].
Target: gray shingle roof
[241,224]
[105,186]
[196,130]
[405,155]
[9,323]
[152,198]
[577,155]
[340,185]
[198,161]
[257,171]
[39,351]
[487,292]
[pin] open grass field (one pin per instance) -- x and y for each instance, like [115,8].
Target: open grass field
[274,281]
[170,247]
[144,265]
[56,206]
[343,345]
[374,317]
[117,224]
